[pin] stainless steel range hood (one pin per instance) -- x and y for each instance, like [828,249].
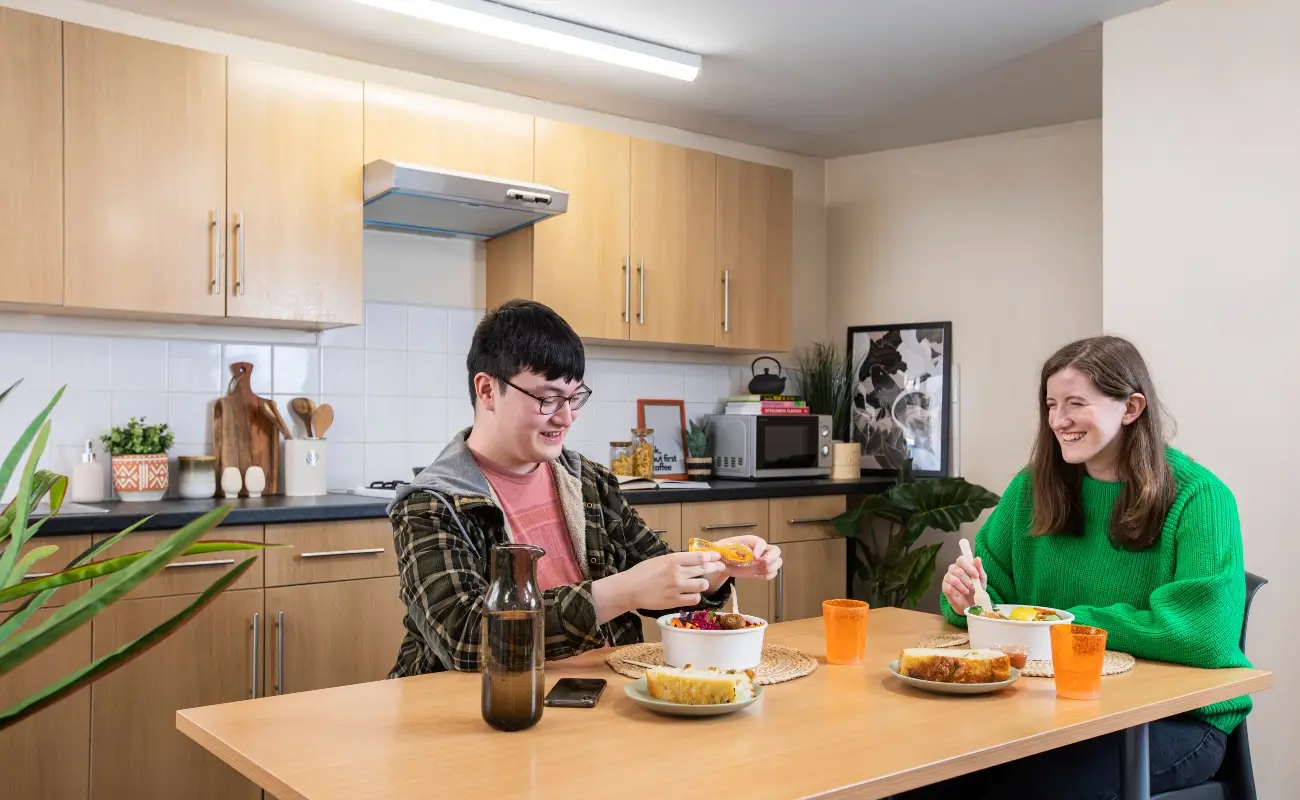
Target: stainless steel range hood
[440,202]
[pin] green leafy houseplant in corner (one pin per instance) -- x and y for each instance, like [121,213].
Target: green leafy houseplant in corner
[699,462]
[25,632]
[884,528]
[140,467]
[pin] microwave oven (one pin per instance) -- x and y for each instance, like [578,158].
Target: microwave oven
[757,446]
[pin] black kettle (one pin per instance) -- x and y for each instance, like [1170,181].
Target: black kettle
[767,383]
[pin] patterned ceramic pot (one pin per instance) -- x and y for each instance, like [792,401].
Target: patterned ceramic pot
[140,479]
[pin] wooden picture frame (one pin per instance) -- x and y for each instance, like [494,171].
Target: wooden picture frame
[668,418]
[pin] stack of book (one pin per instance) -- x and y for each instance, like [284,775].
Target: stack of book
[773,404]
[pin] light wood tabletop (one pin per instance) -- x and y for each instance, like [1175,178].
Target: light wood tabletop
[842,732]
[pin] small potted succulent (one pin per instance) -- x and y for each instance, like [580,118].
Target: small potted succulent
[699,464]
[139,451]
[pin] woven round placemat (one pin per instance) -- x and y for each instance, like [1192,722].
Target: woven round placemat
[945,640]
[779,663]
[1115,663]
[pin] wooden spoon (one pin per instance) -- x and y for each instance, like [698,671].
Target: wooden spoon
[272,413]
[303,407]
[321,419]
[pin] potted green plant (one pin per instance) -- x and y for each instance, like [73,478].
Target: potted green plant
[699,462]
[140,467]
[826,383]
[884,528]
[22,636]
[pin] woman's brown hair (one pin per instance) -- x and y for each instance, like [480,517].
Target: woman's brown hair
[1117,370]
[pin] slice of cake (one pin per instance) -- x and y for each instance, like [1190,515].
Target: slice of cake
[699,687]
[955,665]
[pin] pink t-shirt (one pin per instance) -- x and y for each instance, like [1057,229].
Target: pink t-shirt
[532,507]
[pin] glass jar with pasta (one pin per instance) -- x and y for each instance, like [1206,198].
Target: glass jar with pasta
[620,458]
[643,452]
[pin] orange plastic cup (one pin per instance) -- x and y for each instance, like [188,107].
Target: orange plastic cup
[1077,655]
[846,630]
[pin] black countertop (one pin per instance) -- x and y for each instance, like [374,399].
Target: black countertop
[170,514]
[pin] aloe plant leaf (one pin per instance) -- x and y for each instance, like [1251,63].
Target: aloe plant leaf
[26,644]
[12,386]
[108,566]
[29,559]
[36,601]
[122,655]
[11,461]
[20,535]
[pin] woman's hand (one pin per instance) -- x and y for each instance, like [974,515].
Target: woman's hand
[767,559]
[959,583]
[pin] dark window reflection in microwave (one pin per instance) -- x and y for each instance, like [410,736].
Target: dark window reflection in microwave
[787,443]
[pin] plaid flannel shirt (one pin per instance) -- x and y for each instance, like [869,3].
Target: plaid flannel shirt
[444,530]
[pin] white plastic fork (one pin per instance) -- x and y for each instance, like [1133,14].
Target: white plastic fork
[982,598]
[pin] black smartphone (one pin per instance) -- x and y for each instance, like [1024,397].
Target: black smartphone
[575,692]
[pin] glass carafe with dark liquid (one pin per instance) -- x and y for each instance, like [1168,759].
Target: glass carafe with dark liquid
[512,640]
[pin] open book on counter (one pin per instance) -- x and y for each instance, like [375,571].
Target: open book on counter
[632,482]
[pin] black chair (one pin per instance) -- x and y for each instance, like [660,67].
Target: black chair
[1235,779]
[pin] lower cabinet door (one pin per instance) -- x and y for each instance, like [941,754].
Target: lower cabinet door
[136,751]
[812,572]
[47,755]
[331,634]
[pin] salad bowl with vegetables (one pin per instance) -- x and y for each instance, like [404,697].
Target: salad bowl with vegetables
[1015,624]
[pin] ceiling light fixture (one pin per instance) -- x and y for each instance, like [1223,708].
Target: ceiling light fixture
[525,27]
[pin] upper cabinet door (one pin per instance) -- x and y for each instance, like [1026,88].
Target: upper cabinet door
[580,258]
[31,159]
[145,174]
[447,134]
[294,250]
[754,253]
[673,234]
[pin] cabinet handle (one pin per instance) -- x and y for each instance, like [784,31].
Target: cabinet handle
[241,266]
[811,521]
[726,301]
[216,251]
[257,654]
[332,553]
[279,652]
[216,562]
[627,288]
[728,525]
[780,594]
[641,272]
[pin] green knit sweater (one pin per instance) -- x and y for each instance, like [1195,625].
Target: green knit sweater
[1181,601]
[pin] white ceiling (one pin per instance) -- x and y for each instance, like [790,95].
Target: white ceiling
[820,77]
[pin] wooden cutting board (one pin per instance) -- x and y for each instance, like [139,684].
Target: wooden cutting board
[242,435]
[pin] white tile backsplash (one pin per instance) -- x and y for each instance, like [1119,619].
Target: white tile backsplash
[82,363]
[397,384]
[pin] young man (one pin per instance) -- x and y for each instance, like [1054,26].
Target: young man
[509,478]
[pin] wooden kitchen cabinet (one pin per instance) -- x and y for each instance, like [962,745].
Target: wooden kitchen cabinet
[190,574]
[755,251]
[672,244]
[801,519]
[418,128]
[47,756]
[135,749]
[294,182]
[144,175]
[69,548]
[331,634]
[577,262]
[813,571]
[31,159]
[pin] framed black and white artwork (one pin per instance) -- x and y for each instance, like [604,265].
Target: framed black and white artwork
[900,404]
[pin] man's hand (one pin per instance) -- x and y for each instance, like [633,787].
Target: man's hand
[668,581]
[767,560]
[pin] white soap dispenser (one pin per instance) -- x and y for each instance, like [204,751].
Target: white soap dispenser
[87,479]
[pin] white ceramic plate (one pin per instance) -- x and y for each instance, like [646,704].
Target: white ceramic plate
[640,694]
[939,687]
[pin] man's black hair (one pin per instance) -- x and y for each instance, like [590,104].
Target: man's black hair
[524,336]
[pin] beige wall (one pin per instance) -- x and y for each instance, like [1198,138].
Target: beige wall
[999,234]
[401,269]
[1202,271]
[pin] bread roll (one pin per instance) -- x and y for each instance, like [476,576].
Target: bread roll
[699,686]
[954,665]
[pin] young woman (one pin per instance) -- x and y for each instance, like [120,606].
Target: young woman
[1129,535]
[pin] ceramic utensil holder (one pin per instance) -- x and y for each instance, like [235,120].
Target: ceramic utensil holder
[305,462]
[846,461]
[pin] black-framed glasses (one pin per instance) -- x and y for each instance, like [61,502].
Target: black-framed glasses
[550,405]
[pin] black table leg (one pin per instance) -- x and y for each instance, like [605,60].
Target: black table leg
[1135,764]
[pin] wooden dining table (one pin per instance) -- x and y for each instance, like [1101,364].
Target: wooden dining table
[839,732]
